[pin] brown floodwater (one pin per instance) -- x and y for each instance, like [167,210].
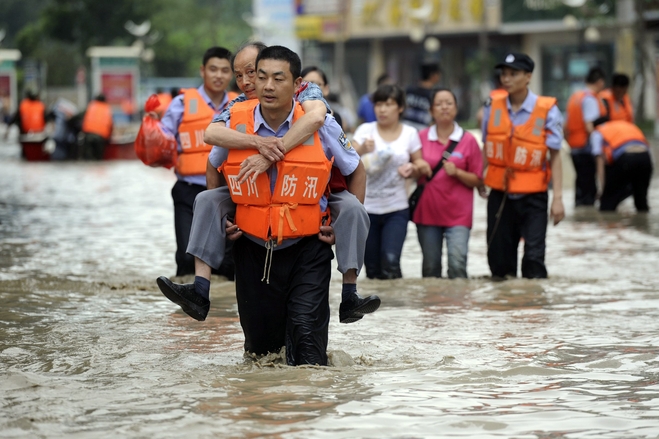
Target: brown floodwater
[89,348]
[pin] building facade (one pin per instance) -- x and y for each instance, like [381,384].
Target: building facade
[357,40]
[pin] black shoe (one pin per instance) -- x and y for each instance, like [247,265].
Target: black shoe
[354,308]
[185,296]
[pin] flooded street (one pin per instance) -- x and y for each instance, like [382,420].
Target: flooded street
[90,348]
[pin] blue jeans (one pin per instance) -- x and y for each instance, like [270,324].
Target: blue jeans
[384,244]
[457,243]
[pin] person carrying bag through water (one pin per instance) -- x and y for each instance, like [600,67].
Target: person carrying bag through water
[446,209]
[415,197]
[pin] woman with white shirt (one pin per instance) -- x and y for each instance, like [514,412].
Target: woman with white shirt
[445,208]
[391,151]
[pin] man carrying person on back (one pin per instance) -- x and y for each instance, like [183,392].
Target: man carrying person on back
[282,268]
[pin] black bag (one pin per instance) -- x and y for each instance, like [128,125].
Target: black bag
[414,199]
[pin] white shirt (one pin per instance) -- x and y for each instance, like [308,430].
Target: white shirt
[385,187]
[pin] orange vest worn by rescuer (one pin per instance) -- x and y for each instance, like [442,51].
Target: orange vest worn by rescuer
[617,110]
[616,134]
[196,117]
[98,119]
[575,127]
[292,210]
[32,116]
[517,156]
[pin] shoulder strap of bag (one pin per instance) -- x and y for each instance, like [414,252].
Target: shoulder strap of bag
[445,156]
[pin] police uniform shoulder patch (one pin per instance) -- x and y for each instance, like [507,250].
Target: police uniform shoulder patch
[345,143]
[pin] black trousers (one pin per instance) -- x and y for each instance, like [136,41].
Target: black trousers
[629,175]
[291,310]
[184,195]
[93,147]
[585,187]
[526,218]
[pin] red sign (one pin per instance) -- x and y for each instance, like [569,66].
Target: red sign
[117,87]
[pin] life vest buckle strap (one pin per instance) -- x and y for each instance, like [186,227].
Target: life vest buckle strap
[285,212]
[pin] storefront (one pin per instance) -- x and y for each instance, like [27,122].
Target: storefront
[395,37]
[564,41]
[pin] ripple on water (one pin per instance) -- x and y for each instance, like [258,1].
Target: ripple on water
[90,348]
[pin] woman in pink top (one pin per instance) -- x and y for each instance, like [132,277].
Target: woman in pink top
[447,204]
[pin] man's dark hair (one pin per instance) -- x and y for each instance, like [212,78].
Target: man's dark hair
[594,75]
[436,90]
[383,78]
[216,52]
[305,71]
[100,97]
[620,80]
[281,53]
[428,69]
[258,45]
[386,91]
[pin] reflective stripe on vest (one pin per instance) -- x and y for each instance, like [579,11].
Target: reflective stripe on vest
[517,156]
[291,210]
[98,119]
[197,114]
[617,110]
[618,133]
[32,116]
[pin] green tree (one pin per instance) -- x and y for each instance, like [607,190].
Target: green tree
[60,31]
[94,22]
[189,27]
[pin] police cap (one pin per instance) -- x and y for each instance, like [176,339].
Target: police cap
[517,61]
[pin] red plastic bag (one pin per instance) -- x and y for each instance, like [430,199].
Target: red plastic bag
[152,145]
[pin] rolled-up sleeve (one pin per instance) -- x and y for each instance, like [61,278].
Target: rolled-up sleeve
[554,125]
[217,156]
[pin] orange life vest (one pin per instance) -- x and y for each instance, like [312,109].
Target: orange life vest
[617,110]
[517,155]
[197,114]
[165,99]
[98,119]
[292,210]
[498,92]
[575,127]
[618,133]
[32,116]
